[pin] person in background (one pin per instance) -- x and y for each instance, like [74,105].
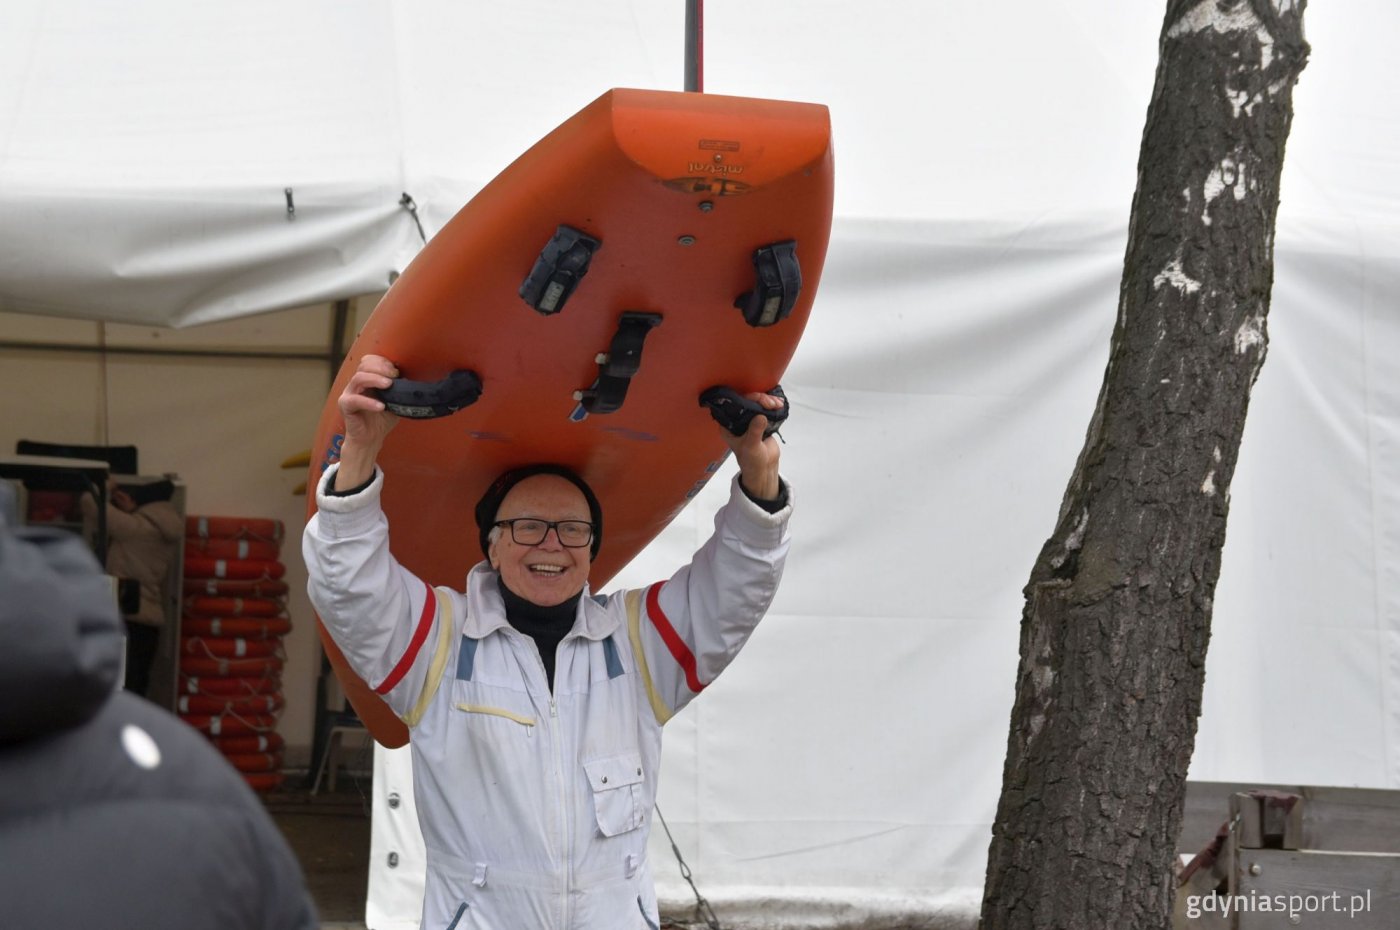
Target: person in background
[114,813]
[144,531]
[535,708]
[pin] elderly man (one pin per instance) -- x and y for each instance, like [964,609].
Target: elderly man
[535,708]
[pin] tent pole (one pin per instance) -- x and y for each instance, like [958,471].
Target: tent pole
[339,324]
[105,412]
[106,350]
[694,46]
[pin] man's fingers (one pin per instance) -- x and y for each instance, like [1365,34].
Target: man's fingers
[380,365]
[361,403]
[371,379]
[766,400]
[355,399]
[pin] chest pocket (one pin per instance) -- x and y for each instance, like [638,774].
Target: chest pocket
[616,782]
[469,700]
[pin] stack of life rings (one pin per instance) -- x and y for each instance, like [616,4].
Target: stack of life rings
[231,656]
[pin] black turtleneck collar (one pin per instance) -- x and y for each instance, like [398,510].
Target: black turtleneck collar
[547,626]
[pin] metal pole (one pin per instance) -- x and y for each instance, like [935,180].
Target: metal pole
[22,346]
[338,327]
[695,46]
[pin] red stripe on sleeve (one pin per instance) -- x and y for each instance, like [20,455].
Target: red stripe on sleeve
[420,635]
[679,650]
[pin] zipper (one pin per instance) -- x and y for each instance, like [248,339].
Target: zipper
[566,794]
[565,811]
[560,786]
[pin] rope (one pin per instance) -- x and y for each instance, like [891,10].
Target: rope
[702,907]
[249,690]
[246,722]
[279,653]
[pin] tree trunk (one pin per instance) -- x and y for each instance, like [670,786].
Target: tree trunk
[1117,614]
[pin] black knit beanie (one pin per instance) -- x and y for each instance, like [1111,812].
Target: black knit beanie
[490,503]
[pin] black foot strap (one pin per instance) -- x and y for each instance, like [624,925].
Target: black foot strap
[424,400]
[562,264]
[779,282]
[735,412]
[622,360]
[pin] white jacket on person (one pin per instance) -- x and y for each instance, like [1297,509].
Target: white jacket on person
[535,807]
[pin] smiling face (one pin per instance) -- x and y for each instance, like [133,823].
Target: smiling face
[548,573]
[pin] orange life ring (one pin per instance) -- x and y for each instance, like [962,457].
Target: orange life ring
[230,724]
[229,704]
[245,627]
[213,666]
[239,569]
[221,647]
[263,781]
[233,528]
[259,549]
[233,606]
[227,587]
[229,687]
[255,761]
[234,745]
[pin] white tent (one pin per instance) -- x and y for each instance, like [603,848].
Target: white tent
[986,162]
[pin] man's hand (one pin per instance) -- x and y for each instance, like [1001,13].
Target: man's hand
[367,423]
[119,498]
[757,457]
[122,501]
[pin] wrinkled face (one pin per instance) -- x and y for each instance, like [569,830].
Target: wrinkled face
[547,573]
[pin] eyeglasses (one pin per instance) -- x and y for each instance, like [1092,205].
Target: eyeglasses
[527,531]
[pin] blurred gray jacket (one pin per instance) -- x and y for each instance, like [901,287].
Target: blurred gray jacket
[113,813]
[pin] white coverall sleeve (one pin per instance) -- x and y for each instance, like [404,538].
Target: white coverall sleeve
[384,618]
[691,627]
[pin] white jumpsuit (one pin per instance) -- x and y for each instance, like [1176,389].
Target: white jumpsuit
[535,807]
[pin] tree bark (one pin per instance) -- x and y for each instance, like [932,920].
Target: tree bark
[1118,607]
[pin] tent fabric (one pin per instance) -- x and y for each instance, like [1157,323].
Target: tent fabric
[850,761]
[847,766]
[145,150]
